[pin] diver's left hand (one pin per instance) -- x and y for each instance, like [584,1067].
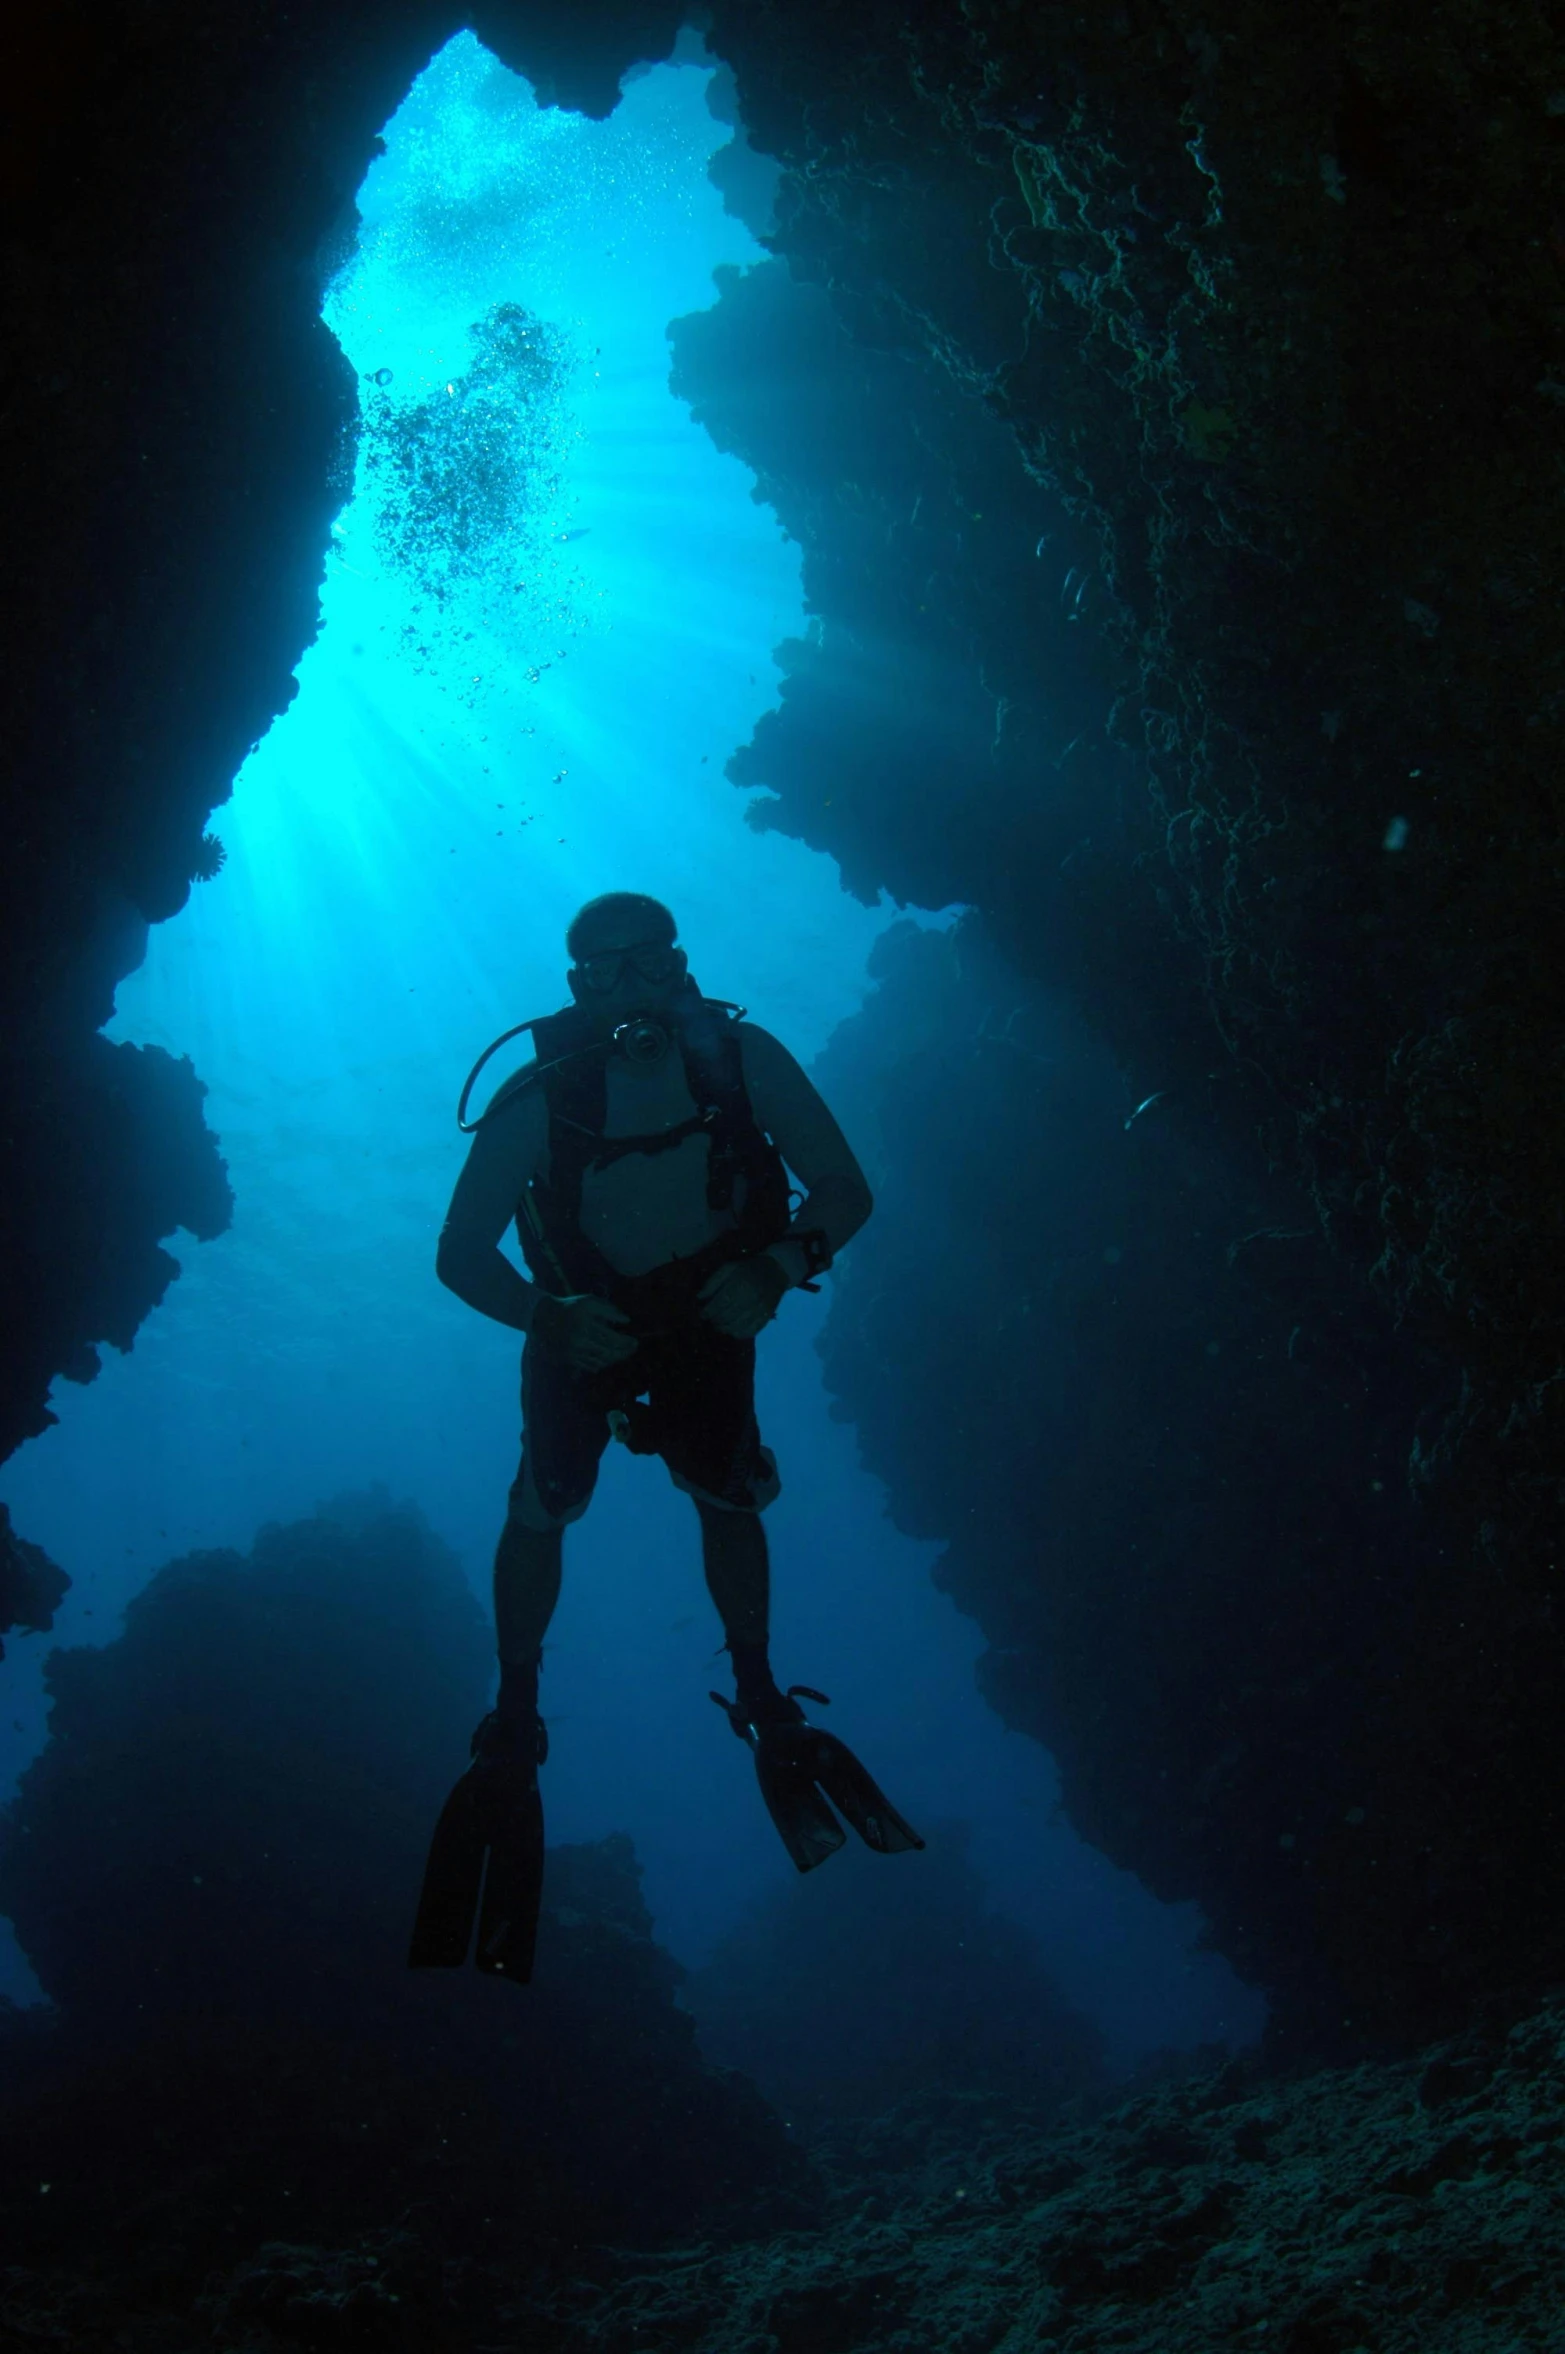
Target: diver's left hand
[741,1297]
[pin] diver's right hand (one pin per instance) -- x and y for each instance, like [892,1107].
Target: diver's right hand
[581,1331]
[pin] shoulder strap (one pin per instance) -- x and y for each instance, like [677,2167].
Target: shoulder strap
[714,1073]
[575,1088]
[576,1092]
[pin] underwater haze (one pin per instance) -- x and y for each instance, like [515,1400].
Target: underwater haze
[547,622]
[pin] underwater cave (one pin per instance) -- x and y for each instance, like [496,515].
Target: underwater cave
[943,502]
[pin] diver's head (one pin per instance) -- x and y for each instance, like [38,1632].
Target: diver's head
[623,959]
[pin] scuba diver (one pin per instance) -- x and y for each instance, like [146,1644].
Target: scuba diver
[644,1156]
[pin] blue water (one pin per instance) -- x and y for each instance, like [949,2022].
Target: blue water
[403,853]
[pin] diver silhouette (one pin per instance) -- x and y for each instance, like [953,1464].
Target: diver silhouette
[644,1156]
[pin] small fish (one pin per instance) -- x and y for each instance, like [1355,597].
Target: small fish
[1145,1107]
[582,534]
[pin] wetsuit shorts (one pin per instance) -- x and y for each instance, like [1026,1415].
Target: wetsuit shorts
[688,1395]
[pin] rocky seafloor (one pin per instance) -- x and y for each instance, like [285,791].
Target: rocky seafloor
[1366,2210]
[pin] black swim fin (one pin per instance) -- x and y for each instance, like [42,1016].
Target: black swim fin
[799,1768]
[495,1812]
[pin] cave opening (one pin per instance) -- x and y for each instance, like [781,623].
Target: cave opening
[548,619]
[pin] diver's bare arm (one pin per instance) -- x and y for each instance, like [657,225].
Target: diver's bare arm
[505,1153]
[789,1107]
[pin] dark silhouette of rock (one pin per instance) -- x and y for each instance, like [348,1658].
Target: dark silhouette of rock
[105,1154]
[179,439]
[1333,2210]
[745,180]
[1291,607]
[933,567]
[1399,2206]
[1165,1439]
[212,1867]
[32,1587]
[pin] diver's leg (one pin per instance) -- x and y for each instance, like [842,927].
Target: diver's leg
[526,1589]
[738,1577]
[704,1394]
[564,1433]
[738,1574]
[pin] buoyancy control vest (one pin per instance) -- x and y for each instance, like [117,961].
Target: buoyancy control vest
[746,1177]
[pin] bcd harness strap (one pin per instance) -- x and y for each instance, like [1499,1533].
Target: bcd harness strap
[575,1084]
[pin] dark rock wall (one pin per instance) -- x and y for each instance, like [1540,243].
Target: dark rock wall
[32,1587]
[1272,313]
[1414,2206]
[1406,2207]
[178,183]
[107,1152]
[1164,1442]
[212,1866]
[910,740]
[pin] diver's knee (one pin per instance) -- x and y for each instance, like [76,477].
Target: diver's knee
[529,1522]
[533,1515]
[717,1508]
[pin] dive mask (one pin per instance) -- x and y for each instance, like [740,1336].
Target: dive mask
[650,962]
